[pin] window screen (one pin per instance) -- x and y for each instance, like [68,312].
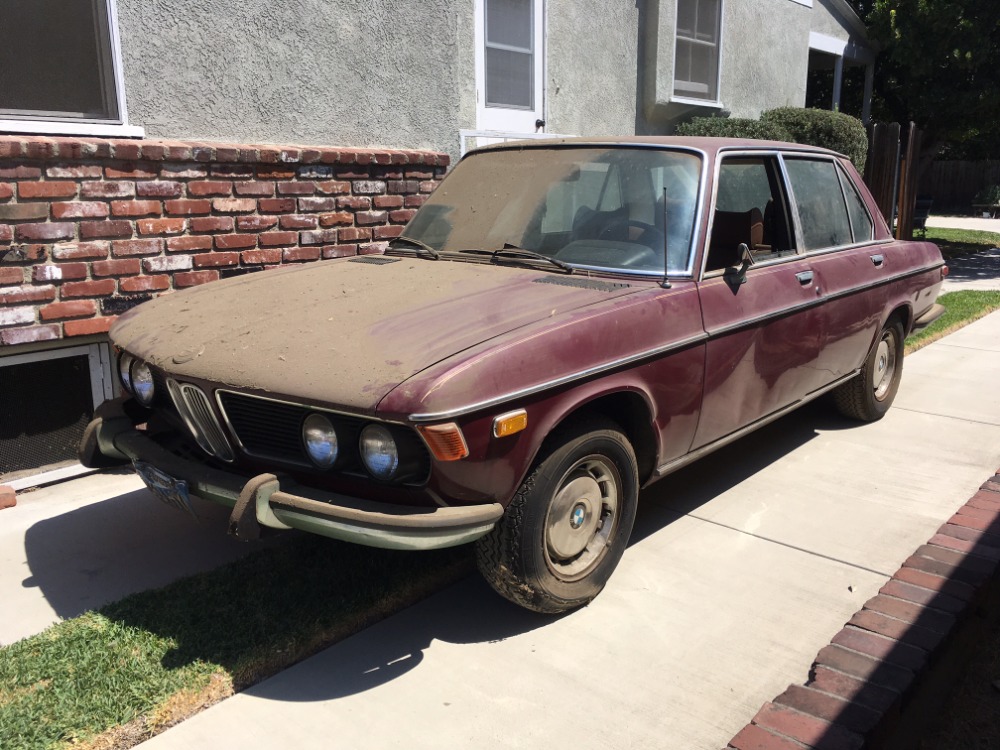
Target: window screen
[696,62]
[58,63]
[861,222]
[509,54]
[822,211]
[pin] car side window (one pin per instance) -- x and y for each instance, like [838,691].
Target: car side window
[750,209]
[861,221]
[822,210]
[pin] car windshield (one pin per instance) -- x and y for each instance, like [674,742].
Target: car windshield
[601,208]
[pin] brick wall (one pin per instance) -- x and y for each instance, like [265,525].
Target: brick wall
[92,227]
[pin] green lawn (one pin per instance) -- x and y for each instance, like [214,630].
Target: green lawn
[961,308]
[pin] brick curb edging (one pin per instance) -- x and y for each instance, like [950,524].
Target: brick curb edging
[863,682]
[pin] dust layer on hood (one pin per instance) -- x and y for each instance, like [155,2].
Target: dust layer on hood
[339,332]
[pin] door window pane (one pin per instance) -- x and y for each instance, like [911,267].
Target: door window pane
[510,63]
[822,210]
[58,64]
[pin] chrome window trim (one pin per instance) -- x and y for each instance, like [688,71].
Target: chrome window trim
[531,390]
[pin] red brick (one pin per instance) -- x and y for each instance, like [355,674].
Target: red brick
[427,186]
[318,237]
[188,244]
[167,264]
[101,288]
[82,251]
[75,309]
[234,205]
[404,186]
[807,729]
[257,189]
[986,514]
[210,187]
[336,219]
[45,232]
[992,484]
[402,216]
[20,294]
[388,201]
[132,171]
[183,171]
[235,241]
[19,172]
[62,272]
[208,260]
[159,189]
[107,189]
[28,190]
[124,267]
[10,276]
[201,207]
[752,737]
[897,629]
[193,278]
[333,187]
[14,336]
[78,172]
[939,622]
[298,222]
[98,229]
[851,689]
[880,647]
[414,201]
[864,667]
[355,203]
[955,580]
[302,187]
[121,248]
[6,191]
[353,234]
[917,595]
[386,233]
[419,174]
[276,205]
[339,251]
[34,252]
[91,210]
[255,223]
[161,226]
[87,327]
[367,218]
[275,173]
[294,254]
[982,538]
[973,522]
[960,545]
[130,150]
[136,208]
[6,233]
[278,239]
[987,498]
[829,708]
[212,224]
[145,284]
[252,257]
[314,205]
[16,316]
[372,248]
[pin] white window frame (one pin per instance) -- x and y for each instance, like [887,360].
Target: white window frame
[118,127]
[692,100]
[503,119]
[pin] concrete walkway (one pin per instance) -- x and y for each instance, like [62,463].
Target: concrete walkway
[742,566]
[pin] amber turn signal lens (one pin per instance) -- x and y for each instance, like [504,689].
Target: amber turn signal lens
[510,423]
[944,271]
[445,441]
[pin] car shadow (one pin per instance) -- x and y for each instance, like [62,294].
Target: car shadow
[984,266]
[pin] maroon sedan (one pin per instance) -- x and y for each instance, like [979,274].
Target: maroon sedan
[562,323]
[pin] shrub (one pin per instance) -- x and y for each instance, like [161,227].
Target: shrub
[989,195]
[734,127]
[819,127]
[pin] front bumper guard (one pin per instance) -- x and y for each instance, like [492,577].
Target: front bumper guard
[278,502]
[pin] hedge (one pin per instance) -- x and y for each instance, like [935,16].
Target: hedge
[734,127]
[820,127]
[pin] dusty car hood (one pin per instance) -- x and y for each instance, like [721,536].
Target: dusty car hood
[342,332]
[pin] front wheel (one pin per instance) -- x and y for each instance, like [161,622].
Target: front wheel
[566,528]
[869,395]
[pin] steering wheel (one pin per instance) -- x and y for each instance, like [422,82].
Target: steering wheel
[649,235]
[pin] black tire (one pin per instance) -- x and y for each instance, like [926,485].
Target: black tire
[868,396]
[554,549]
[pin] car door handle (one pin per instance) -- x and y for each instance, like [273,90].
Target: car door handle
[878,260]
[805,277]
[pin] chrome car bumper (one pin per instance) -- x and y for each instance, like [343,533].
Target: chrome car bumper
[271,501]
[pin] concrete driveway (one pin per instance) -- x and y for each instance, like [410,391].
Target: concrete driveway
[742,566]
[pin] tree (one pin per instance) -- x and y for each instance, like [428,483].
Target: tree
[939,67]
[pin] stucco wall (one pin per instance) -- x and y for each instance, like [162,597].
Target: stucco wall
[592,63]
[353,72]
[827,20]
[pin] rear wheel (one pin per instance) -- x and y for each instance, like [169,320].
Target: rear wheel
[869,395]
[567,527]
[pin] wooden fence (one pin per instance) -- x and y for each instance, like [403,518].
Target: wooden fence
[890,173]
[953,184]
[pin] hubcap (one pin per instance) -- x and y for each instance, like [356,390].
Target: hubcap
[581,518]
[885,365]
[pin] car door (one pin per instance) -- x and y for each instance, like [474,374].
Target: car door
[765,334]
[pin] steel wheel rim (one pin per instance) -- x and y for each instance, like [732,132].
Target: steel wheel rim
[885,365]
[582,518]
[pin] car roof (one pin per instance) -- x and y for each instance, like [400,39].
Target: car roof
[710,146]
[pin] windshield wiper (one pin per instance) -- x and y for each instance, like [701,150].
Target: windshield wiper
[425,250]
[515,254]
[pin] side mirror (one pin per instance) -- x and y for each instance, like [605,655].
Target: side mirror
[736,276]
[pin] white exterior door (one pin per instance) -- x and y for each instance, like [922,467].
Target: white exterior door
[510,57]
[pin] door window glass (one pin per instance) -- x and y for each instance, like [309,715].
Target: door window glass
[822,211]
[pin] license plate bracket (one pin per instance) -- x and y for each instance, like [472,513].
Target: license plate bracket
[173,492]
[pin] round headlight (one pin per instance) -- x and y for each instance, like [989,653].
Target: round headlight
[320,440]
[124,370]
[378,451]
[142,382]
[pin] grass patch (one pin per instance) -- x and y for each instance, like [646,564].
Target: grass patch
[955,243]
[961,308]
[114,677]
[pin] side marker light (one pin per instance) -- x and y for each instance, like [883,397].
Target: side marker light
[510,423]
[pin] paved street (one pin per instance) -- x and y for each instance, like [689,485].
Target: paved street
[980,271]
